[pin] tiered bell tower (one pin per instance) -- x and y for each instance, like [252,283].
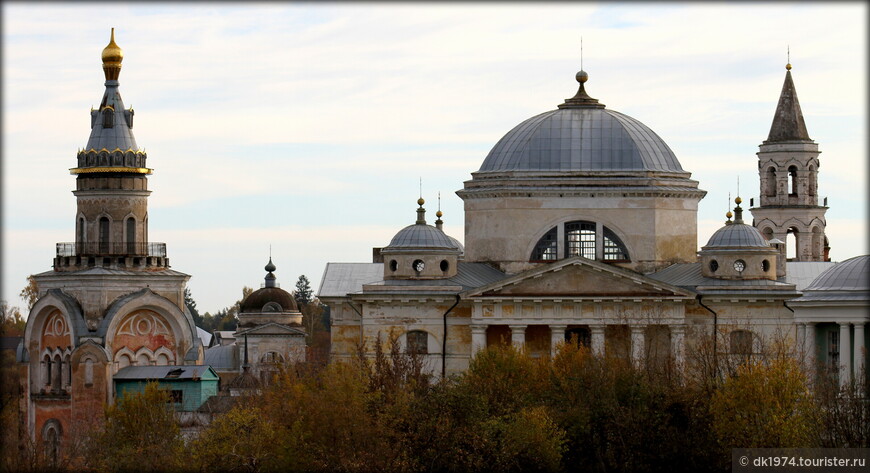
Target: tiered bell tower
[788,168]
[111,188]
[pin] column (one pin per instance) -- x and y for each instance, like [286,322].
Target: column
[810,348]
[557,336]
[637,343]
[800,339]
[860,352]
[597,339]
[599,241]
[518,335]
[845,355]
[478,338]
[678,333]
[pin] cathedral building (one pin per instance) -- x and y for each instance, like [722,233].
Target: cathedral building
[581,223]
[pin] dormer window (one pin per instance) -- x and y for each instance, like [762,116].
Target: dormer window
[108,117]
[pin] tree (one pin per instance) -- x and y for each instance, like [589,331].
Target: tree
[191,307]
[30,293]
[303,293]
[139,434]
[240,440]
[11,322]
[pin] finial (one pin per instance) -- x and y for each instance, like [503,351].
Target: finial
[788,58]
[738,211]
[738,200]
[439,222]
[270,267]
[581,53]
[112,57]
[420,201]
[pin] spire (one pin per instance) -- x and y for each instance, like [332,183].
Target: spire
[421,212]
[439,222]
[788,121]
[112,57]
[270,278]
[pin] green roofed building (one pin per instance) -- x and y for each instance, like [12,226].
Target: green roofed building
[189,386]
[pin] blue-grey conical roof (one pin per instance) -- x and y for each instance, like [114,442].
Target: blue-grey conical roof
[120,134]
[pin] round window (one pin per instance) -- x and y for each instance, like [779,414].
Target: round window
[765,266]
[739,266]
[445,265]
[394,265]
[418,265]
[714,265]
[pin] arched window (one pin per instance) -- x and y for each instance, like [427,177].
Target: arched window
[143,360]
[791,243]
[817,249]
[770,190]
[792,180]
[51,433]
[57,373]
[545,249]
[131,235]
[46,370]
[580,239]
[614,250]
[272,357]
[812,181]
[124,361]
[417,342]
[108,118]
[163,359]
[82,235]
[104,235]
[67,372]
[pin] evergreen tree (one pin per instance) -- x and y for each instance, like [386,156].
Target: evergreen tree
[303,292]
[191,306]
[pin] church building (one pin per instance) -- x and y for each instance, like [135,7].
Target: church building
[581,223]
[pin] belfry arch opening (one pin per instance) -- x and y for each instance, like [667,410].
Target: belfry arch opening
[770,189]
[792,180]
[791,244]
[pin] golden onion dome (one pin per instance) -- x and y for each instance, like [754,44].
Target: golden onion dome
[112,53]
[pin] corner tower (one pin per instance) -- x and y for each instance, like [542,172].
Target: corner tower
[788,168]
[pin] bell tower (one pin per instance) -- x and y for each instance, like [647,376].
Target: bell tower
[111,188]
[788,168]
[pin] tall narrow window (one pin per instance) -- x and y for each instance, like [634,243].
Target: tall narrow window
[791,244]
[108,118]
[46,370]
[104,235]
[67,372]
[89,372]
[580,239]
[545,249]
[131,236]
[792,180]
[770,191]
[80,244]
[834,351]
[57,374]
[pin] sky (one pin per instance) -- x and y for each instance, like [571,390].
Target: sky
[305,129]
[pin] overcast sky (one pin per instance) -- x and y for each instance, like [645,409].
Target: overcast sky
[308,126]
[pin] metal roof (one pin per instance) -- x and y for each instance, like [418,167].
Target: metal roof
[222,357]
[581,139]
[204,336]
[162,372]
[802,273]
[737,235]
[120,135]
[422,236]
[788,120]
[689,275]
[340,279]
[849,275]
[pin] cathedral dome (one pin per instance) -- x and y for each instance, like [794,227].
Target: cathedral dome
[850,275]
[581,135]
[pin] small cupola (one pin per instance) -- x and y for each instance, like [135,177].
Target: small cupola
[738,251]
[270,303]
[421,251]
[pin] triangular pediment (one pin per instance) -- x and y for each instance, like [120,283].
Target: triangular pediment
[270,329]
[578,277]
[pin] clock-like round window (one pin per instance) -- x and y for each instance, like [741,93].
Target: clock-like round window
[739,266]
[418,265]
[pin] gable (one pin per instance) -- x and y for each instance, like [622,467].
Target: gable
[580,279]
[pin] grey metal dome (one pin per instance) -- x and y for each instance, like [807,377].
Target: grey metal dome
[850,275]
[422,236]
[737,235]
[581,136]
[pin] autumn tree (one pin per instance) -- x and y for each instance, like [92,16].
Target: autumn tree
[243,439]
[30,293]
[764,405]
[139,433]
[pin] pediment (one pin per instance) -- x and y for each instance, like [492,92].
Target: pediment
[578,277]
[270,329]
